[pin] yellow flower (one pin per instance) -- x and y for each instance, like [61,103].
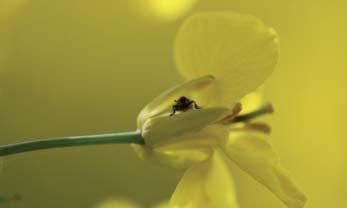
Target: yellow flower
[224,56]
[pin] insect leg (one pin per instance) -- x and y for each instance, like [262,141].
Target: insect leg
[196,105]
[173,112]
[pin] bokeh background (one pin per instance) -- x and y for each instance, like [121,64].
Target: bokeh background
[74,67]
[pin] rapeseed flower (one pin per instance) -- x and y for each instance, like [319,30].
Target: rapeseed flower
[223,56]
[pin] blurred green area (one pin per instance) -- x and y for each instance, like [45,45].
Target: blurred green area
[74,67]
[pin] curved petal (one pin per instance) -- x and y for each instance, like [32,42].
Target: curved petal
[163,103]
[208,184]
[212,135]
[183,151]
[239,50]
[257,157]
[166,129]
[252,101]
[180,158]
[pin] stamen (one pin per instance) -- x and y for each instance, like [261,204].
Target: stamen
[234,112]
[258,126]
[266,109]
[237,108]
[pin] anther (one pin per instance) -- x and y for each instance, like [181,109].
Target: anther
[266,109]
[234,112]
[258,126]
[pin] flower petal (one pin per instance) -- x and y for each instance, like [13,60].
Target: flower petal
[175,157]
[252,101]
[239,50]
[183,151]
[191,89]
[166,129]
[208,184]
[257,157]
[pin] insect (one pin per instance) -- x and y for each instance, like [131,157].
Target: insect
[183,104]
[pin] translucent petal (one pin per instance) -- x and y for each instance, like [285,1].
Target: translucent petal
[181,158]
[193,89]
[238,50]
[175,157]
[181,152]
[212,135]
[208,184]
[257,157]
[252,101]
[166,129]
[144,152]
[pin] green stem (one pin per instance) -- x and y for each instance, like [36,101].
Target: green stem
[113,138]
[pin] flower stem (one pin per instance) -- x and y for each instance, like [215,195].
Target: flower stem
[266,109]
[112,138]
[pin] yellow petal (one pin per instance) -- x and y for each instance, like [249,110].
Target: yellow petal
[238,50]
[257,157]
[181,152]
[181,158]
[175,157]
[167,129]
[212,135]
[144,152]
[163,103]
[208,184]
[252,101]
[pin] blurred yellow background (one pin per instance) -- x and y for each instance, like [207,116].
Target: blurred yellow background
[74,67]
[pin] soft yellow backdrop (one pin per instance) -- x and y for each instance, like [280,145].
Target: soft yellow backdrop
[73,67]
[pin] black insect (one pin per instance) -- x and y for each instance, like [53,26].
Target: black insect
[183,104]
